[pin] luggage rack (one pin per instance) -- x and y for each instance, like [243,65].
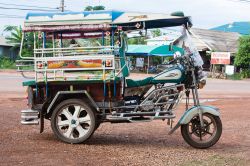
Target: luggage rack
[77,63]
[74,51]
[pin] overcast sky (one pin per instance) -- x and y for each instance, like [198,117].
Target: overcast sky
[205,13]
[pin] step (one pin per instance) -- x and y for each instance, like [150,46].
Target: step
[29,117]
[30,111]
[33,122]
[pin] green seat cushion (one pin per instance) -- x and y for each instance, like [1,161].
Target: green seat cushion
[29,83]
[89,81]
[137,83]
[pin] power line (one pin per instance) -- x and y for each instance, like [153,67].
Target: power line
[33,9]
[9,4]
[244,0]
[241,1]
[9,15]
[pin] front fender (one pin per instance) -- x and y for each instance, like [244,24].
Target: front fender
[194,111]
[190,113]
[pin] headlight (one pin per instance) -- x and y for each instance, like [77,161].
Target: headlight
[202,83]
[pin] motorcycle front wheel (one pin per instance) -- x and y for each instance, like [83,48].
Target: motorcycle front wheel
[202,137]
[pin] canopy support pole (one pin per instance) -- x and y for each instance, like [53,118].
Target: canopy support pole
[148,64]
[103,42]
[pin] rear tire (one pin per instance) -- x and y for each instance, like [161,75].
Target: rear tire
[73,121]
[197,132]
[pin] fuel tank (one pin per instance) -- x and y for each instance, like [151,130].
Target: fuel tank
[173,74]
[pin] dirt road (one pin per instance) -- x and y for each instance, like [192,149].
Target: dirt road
[127,144]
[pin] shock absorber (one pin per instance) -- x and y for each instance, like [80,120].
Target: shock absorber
[187,98]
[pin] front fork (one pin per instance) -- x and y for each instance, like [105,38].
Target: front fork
[196,98]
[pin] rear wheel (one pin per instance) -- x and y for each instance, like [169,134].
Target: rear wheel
[73,121]
[202,137]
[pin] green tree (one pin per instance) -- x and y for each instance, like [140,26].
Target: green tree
[137,40]
[91,42]
[15,38]
[99,7]
[242,58]
[156,32]
[91,8]
[88,8]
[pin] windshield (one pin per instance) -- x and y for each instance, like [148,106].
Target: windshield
[185,42]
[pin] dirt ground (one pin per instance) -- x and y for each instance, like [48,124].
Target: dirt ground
[127,144]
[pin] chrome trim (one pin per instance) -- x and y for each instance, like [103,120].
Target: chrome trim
[30,117]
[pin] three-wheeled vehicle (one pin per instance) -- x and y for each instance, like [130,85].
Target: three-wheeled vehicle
[81,76]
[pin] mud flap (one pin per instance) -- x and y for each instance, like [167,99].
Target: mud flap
[41,122]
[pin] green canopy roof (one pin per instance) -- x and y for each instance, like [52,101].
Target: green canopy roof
[152,50]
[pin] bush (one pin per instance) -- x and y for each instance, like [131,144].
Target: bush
[245,73]
[235,76]
[7,63]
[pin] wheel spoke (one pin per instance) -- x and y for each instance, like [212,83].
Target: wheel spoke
[85,119]
[77,111]
[209,124]
[200,135]
[64,123]
[67,113]
[208,132]
[68,134]
[81,131]
[194,130]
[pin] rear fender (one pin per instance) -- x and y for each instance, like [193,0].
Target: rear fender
[65,93]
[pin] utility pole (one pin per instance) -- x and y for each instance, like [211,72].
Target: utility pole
[62,5]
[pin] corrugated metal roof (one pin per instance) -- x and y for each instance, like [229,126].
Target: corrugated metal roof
[3,42]
[215,40]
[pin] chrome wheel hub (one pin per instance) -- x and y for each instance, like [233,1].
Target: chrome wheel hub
[73,122]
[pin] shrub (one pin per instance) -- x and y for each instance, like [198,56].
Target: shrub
[235,76]
[7,63]
[245,73]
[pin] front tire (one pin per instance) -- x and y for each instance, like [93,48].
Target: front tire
[205,137]
[73,121]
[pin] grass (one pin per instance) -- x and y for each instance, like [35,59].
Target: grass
[217,160]
[6,63]
[236,76]
[239,76]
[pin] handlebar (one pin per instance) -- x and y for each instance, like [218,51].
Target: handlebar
[189,60]
[177,59]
